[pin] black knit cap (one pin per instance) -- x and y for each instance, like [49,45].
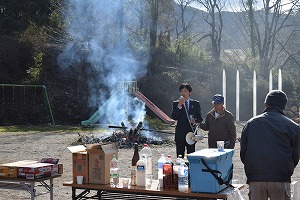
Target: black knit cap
[276,98]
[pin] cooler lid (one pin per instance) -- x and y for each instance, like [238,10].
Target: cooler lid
[209,153]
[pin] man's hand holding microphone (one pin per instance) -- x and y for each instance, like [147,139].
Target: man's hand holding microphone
[181,102]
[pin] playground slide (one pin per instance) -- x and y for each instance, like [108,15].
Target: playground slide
[102,109]
[97,115]
[154,108]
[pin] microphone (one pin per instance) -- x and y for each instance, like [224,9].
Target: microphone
[181,97]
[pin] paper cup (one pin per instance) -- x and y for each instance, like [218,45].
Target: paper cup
[161,182]
[220,145]
[125,182]
[148,180]
[79,179]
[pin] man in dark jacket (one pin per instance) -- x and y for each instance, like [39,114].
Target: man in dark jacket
[270,147]
[220,125]
[187,112]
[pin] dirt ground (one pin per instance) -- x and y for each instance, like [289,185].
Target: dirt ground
[34,146]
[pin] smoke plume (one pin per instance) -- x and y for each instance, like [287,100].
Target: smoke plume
[97,35]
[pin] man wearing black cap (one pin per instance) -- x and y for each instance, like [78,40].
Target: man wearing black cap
[270,148]
[219,123]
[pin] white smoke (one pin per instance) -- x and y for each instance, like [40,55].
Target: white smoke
[97,36]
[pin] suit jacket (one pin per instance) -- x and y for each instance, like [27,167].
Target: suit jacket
[183,126]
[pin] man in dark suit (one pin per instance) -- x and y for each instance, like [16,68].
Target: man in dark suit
[187,112]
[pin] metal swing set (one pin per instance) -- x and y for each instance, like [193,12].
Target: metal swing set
[13,103]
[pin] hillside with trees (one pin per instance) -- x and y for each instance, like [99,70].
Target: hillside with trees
[80,50]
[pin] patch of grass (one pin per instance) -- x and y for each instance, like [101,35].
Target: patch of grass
[49,128]
[157,124]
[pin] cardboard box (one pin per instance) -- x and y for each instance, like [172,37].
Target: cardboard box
[79,162]
[201,179]
[11,169]
[100,156]
[57,169]
[50,160]
[35,170]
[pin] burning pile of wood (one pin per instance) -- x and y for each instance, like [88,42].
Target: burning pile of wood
[126,137]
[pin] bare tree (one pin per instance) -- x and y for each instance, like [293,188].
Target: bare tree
[268,30]
[185,19]
[214,19]
[157,9]
[182,24]
[154,14]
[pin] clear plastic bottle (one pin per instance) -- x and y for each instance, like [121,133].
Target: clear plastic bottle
[168,174]
[183,178]
[162,160]
[176,165]
[114,172]
[141,171]
[146,152]
[186,161]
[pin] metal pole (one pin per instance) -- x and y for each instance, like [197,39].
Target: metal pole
[48,102]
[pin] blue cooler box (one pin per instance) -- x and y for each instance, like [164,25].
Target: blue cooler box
[206,162]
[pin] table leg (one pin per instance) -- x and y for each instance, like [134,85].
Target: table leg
[51,188]
[29,187]
[31,190]
[99,194]
[73,193]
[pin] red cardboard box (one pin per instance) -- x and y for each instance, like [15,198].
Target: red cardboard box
[50,160]
[35,170]
[80,163]
[57,169]
[11,169]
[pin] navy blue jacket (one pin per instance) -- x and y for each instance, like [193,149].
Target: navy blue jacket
[270,147]
[183,125]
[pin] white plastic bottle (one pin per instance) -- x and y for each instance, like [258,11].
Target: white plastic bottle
[114,172]
[141,171]
[146,152]
[162,160]
[183,178]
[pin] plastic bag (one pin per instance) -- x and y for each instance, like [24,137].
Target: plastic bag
[236,195]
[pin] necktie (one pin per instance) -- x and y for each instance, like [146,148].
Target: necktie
[187,105]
